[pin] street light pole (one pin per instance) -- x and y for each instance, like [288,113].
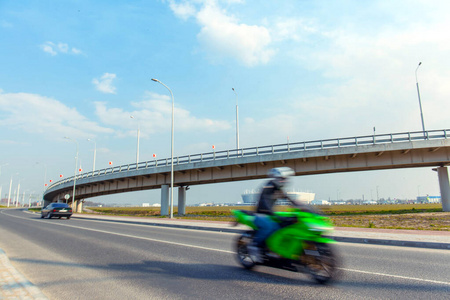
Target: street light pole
[237,120]
[18,193]
[75,177]
[95,153]
[45,180]
[1,174]
[137,147]
[420,103]
[9,194]
[171,151]
[29,199]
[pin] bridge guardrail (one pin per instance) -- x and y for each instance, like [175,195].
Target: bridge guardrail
[271,149]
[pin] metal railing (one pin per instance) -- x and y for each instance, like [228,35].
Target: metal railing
[272,149]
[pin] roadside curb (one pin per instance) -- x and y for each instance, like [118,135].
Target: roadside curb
[14,285]
[194,227]
[342,239]
[400,243]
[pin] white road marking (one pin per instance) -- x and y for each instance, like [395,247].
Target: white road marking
[223,251]
[395,276]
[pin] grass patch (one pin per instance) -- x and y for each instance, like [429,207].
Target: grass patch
[390,216]
[380,209]
[326,209]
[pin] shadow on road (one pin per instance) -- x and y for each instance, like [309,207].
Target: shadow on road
[160,271]
[149,270]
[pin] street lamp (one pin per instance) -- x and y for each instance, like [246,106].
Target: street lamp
[18,192]
[95,153]
[237,120]
[75,177]
[137,147]
[10,186]
[9,194]
[23,199]
[1,174]
[45,179]
[420,103]
[171,152]
[29,199]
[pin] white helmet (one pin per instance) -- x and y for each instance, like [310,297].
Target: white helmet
[281,175]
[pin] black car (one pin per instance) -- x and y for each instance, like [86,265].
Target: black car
[56,210]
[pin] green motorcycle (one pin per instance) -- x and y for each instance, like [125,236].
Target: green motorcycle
[299,245]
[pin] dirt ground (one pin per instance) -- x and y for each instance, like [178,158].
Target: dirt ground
[421,221]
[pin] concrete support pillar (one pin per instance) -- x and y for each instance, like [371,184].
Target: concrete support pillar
[79,206]
[165,200]
[444,186]
[181,200]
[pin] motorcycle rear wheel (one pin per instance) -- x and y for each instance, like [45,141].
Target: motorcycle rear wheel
[322,267]
[243,255]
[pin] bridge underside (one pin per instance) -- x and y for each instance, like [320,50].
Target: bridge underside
[322,161]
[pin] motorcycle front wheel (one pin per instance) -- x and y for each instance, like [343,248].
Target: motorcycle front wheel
[243,256]
[322,262]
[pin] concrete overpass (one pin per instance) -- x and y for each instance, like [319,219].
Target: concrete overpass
[374,152]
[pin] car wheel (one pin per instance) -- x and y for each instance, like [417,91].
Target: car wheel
[59,217]
[68,217]
[42,216]
[49,216]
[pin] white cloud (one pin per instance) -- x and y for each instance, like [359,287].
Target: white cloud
[223,36]
[9,142]
[183,10]
[105,83]
[76,51]
[48,47]
[45,116]
[154,115]
[63,47]
[54,49]
[292,29]
[5,24]
[366,79]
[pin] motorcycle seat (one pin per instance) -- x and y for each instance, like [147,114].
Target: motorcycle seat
[286,221]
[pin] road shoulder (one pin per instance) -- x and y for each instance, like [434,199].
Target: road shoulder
[13,284]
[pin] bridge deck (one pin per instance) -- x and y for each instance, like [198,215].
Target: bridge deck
[387,151]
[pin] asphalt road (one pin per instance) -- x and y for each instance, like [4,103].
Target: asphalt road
[86,259]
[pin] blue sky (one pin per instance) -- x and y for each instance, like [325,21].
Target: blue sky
[304,69]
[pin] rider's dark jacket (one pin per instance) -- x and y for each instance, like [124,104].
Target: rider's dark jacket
[269,195]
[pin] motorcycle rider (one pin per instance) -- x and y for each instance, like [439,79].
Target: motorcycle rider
[271,192]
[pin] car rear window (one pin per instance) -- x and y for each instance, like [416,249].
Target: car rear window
[60,205]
